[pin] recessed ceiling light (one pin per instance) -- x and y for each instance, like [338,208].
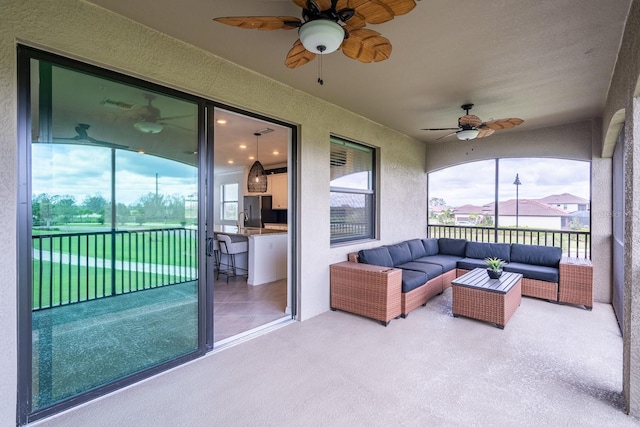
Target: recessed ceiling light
[230,162]
[221,121]
[251,157]
[243,146]
[140,152]
[275,153]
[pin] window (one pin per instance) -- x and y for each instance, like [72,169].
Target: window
[230,202]
[352,191]
[109,285]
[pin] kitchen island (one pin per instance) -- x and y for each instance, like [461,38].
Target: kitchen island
[266,259]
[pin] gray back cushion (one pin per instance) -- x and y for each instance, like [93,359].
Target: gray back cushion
[430,246]
[488,250]
[452,246]
[547,256]
[417,248]
[400,253]
[376,256]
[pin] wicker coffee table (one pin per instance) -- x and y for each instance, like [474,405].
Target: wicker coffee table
[478,297]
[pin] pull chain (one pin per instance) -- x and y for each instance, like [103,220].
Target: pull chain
[321,49]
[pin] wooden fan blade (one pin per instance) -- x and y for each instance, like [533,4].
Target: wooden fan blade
[502,124]
[441,129]
[366,46]
[261,22]
[377,11]
[298,56]
[483,133]
[470,120]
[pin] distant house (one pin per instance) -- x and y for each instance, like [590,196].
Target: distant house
[467,214]
[555,212]
[567,202]
[531,213]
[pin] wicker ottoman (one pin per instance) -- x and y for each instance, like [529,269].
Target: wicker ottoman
[477,296]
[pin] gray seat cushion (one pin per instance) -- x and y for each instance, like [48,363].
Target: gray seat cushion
[400,253]
[547,256]
[412,279]
[431,270]
[417,248]
[481,250]
[430,246]
[376,256]
[536,272]
[455,247]
[471,263]
[447,262]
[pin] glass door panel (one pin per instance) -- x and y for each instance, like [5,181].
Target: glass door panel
[114,193]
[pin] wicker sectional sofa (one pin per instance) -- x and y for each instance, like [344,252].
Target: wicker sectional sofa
[389,281]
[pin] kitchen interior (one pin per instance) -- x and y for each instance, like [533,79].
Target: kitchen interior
[251,288]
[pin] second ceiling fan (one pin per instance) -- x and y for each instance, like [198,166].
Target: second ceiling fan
[329,25]
[471,127]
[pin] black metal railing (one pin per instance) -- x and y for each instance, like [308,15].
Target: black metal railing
[573,243]
[74,267]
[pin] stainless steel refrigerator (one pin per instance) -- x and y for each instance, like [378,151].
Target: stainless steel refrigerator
[258,209]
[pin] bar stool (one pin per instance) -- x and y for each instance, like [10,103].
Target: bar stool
[230,249]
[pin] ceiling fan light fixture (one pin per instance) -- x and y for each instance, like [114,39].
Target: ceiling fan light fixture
[148,127]
[321,36]
[466,135]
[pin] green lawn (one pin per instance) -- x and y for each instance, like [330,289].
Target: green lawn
[85,262]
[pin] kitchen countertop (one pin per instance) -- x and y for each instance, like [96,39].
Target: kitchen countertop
[232,230]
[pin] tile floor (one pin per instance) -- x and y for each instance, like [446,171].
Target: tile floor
[239,307]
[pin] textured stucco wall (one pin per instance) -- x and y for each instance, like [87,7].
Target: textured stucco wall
[622,96]
[631,349]
[601,220]
[91,34]
[571,141]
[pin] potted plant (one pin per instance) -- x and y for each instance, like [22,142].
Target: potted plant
[494,267]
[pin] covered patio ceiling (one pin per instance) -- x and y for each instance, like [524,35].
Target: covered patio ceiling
[547,62]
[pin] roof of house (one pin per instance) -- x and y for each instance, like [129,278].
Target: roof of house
[468,209]
[526,207]
[564,198]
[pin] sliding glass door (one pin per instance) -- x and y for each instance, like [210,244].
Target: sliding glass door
[112,271]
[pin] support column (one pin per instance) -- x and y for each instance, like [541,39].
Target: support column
[631,348]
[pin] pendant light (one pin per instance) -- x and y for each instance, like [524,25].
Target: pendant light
[257,179]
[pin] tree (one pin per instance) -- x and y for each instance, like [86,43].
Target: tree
[486,221]
[94,204]
[175,208]
[150,208]
[436,201]
[64,208]
[446,217]
[42,209]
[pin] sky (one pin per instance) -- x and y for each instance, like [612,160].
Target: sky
[81,171]
[473,183]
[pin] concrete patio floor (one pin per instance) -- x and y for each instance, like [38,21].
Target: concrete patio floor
[551,365]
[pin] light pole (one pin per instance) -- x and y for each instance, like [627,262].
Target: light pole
[517,183]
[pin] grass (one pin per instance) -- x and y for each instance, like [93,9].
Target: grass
[86,262]
[57,284]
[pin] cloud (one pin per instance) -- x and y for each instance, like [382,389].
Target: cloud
[473,183]
[81,171]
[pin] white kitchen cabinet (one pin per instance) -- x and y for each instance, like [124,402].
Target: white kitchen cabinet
[279,191]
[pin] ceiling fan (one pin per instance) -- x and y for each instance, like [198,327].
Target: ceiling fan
[83,137]
[150,120]
[329,25]
[471,127]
